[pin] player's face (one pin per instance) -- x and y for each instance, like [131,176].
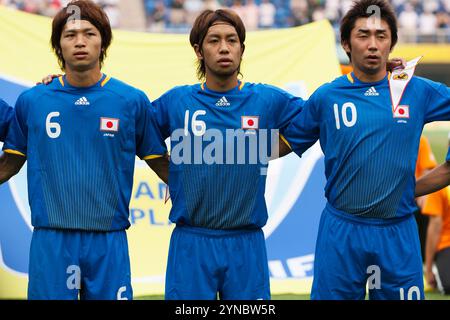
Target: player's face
[81,45]
[221,51]
[370,45]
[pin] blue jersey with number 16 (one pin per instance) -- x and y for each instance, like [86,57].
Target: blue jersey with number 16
[219,141]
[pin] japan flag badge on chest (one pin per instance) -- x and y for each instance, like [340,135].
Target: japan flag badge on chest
[109,124]
[250,122]
[401,111]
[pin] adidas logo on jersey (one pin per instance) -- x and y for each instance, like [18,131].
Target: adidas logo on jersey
[223,102]
[82,102]
[371,92]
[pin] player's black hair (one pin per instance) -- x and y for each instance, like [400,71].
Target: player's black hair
[83,10]
[366,9]
[204,21]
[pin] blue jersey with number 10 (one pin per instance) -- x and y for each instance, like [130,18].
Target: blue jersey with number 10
[370,148]
[80,145]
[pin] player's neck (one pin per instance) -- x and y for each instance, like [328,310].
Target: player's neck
[221,85]
[366,77]
[83,79]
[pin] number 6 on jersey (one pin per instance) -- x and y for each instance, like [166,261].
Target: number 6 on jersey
[52,125]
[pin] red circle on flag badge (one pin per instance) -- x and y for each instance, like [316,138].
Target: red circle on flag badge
[109,124]
[250,122]
[401,111]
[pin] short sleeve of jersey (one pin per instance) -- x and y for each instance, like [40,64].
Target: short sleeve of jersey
[149,143]
[285,107]
[16,140]
[438,102]
[304,130]
[160,108]
[435,203]
[6,114]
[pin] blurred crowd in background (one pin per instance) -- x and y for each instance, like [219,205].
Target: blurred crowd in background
[419,20]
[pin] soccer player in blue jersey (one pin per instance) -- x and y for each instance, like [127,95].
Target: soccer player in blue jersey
[6,113]
[369,125]
[220,130]
[80,135]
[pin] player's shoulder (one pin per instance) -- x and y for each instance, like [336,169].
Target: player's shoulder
[33,93]
[325,89]
[425,83]
[124,90]
[263,89]
[180,91]
[339,82]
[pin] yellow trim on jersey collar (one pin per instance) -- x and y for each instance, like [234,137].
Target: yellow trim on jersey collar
[350,78]
[105,81]
[10,151]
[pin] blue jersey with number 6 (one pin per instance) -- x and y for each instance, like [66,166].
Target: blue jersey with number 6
[80,145]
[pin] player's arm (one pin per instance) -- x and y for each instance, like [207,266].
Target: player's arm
[150,143]
[304,130]
[433,235]
[48,79]
[160,166]
[284,109]
[6,114]
[10,165]
[434,206]
[284,147]
[434,180]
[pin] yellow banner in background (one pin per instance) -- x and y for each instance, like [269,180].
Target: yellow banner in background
[155,63]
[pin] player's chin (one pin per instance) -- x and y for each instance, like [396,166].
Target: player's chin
[226,72]
[372,68]
[81,66]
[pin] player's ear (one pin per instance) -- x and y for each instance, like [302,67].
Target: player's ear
[242,50]
[198,52]
[346,46]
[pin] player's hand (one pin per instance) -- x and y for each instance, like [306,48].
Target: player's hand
[395,63]
[420,201]
[430,278]
[48,79]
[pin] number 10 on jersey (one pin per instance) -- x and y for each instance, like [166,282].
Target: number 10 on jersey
[344,114]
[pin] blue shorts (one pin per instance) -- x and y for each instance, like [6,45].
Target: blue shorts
[204,263]
[65,265]
[352,252]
